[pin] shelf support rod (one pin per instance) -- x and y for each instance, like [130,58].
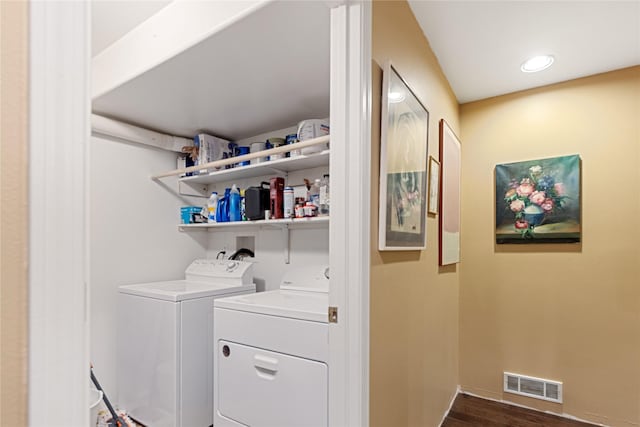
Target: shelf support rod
[250,156]
[287,249]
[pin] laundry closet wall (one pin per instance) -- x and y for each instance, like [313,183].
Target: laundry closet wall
[566,312]
[134,236]
[414,303]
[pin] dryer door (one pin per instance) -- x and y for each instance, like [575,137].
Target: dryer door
[261,388]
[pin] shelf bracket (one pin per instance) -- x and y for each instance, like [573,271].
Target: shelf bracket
[285,238]
[186,188]
[280,172]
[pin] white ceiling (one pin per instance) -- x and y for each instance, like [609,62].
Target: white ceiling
[111,19]
[243,80]
[481,44]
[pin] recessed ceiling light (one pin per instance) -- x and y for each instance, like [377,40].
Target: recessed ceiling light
[537,63]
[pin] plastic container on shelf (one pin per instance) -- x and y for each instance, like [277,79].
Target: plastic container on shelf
[312,128]
[292,139]
[274,143]
[241,151]
[314,194]
[243,206]
[212,206]
[310,210]
[289,209]
[235,212]
[324,196]
[222,212]
[256,147]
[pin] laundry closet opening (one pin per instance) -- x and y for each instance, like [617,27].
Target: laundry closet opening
[242,111]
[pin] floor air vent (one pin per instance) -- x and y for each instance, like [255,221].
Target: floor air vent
[533,387]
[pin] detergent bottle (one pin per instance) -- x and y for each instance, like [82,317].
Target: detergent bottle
[222,213]
[235,213]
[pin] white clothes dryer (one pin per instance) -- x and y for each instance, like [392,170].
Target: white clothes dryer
[165,343]
[271,355]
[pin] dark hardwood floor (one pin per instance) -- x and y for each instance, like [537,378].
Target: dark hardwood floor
[474,411]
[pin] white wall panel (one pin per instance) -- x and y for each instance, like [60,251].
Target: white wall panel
[307,247]
[133,236]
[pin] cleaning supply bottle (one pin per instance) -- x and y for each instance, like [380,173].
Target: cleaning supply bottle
[243,213]
[314,194]
[234,204]
[212,206]
[222,212]
[324,195]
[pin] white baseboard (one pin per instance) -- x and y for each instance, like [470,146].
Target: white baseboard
[453,399]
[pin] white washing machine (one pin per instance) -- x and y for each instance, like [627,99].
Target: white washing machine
[165,343]
[271,358]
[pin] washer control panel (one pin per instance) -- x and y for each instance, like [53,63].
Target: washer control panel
[220,271]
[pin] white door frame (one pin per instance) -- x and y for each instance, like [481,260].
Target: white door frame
[59,259]
[59,61]
[350,214]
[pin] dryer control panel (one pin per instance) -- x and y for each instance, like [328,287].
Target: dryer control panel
[230,272]
[312,278]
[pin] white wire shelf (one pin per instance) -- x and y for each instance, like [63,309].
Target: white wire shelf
[289,223]
[295,163]
[268,167]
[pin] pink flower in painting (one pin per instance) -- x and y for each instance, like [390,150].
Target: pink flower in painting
[525,188]
[547,205]
[517,205]
[537,197]
[522,224]
[559,187]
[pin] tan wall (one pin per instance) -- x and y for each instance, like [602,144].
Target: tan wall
[564,312]
[13,212]
[414,305]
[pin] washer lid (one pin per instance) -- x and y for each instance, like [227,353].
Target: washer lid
[179,290]
[301,305]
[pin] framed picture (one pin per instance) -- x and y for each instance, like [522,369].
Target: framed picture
[403,166]
[449,218]
[538,201]
[434,186]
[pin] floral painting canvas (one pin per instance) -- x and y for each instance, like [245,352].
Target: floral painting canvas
[538,201]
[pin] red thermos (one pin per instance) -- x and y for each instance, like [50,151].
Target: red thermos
[276,187]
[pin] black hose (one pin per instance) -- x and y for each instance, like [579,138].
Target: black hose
[242,251]
[114,417]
